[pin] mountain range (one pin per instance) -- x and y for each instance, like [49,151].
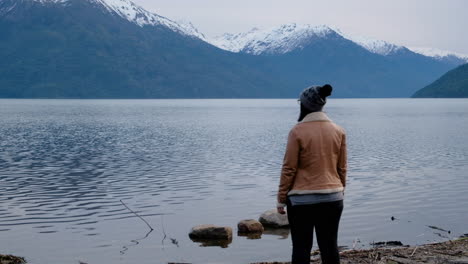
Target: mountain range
[117,49]
[361,67]
[286,38]
[112,49]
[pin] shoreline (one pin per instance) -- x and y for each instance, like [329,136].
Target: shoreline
[448,252]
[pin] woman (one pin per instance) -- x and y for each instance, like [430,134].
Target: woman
[313,178]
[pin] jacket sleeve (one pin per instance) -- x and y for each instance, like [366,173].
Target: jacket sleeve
[343,161]
[289,168]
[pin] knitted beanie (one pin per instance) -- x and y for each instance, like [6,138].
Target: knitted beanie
[315,97]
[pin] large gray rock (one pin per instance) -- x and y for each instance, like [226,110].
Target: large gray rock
[211,232]
[249,226]
[272,218]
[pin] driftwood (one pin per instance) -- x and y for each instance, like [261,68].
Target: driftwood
[151,228]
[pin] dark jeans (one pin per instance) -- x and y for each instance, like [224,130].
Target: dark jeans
[325,218]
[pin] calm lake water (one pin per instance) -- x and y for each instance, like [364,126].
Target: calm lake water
[65,165]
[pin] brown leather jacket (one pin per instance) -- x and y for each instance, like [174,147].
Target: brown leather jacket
[315,159]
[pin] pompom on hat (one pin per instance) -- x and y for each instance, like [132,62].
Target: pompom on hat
[315,97]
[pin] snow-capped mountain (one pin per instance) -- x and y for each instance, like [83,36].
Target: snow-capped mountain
[116,49]
[385,48]
[277,40]
[138,15]
[374,45]
[439,54]
[289,37]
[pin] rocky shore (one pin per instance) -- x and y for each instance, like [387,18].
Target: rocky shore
[449,252]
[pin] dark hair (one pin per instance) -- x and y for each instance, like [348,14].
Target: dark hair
[303,113]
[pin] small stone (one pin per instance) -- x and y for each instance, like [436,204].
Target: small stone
[272,218]
[249,226]
[211,232]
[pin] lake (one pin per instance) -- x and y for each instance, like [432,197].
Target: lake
[66,164]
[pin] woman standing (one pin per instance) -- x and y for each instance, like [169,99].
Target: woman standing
[313,178]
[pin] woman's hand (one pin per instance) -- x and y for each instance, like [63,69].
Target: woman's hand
[280,210]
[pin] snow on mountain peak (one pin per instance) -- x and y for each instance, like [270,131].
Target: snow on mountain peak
[437,53]
[276,40]
[376,46]
[289,37]
[190,29]
[138,15]
[373,45]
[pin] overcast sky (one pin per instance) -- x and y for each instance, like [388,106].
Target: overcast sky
[441,24]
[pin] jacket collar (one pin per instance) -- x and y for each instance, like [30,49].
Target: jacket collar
[316,116]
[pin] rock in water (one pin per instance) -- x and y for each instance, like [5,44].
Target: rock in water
[211,232]
[249,226]
[9,259]
[272,218]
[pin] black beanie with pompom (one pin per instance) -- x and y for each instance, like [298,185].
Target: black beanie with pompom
[315,97]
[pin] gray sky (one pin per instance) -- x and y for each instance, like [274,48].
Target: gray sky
[441,24]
